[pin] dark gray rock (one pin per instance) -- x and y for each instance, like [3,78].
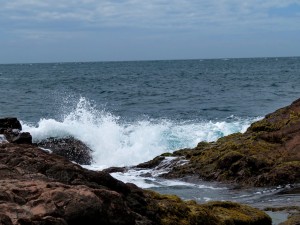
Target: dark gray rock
[22,138]
[11,129]
[115,170]
[5,220]
[9,123]
[70,148]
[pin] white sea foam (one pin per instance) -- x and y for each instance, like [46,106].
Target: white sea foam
[2,138]
[133,176]
[149,178]
[118,143]
[138,178]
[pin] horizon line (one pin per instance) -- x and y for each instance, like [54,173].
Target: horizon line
[148,60]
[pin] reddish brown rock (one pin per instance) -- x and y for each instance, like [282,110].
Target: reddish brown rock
[5,220]
[38,188]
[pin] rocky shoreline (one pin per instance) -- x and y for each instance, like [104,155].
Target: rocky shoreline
[267,154]
[41,188]
[38,189]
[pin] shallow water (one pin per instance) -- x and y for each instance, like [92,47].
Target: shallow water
[190,188]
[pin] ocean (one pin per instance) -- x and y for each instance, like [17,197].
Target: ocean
[130,112]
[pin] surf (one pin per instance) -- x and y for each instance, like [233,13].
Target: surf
[116,141]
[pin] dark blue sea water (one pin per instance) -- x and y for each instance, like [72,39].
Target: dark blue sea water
[177,90]
[123,109]
[154,105]
[130,112]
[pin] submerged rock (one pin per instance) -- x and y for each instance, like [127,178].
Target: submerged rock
[267,154]
[152,163]
[115,169]
[41,188]
[70,148]
[293,217]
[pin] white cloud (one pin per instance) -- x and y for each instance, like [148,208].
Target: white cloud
[136,29]
[187,14]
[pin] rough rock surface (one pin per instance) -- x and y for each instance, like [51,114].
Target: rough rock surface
[70,148]
[11,128]
[22,138]
[267,154]
[10,123]
[38,188]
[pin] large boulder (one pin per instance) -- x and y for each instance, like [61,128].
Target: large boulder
[39,188]
[267,154]
[17,137]
[10,123]
[22,138]
[70,148]
[11,129]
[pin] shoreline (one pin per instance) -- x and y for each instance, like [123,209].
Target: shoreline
[272,161]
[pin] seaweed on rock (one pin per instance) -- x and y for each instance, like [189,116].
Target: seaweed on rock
[267,154]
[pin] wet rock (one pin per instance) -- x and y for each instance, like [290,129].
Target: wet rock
[172,210]
[5,220]
[39,188]
[293,219]
[293,211]
[152,163]
[47,220]
[267,154]
[70,148]
[291,190]
[9,123]
[11,129]
[115,170]
[22,138]
[10,134]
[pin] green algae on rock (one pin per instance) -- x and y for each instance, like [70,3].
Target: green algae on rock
[267,154]
[171,210]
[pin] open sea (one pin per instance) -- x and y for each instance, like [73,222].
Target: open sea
[130,112]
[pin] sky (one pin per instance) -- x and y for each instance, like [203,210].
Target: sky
[120,30]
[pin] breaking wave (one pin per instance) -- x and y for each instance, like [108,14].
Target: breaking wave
[117,142]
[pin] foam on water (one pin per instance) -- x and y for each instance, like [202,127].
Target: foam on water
[138,178]
[2,138]
[116,142]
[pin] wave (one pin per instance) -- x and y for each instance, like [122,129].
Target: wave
[136,177]
[116,142]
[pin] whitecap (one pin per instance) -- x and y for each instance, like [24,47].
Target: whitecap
[117,142]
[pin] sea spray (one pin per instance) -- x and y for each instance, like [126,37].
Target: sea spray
[117,142]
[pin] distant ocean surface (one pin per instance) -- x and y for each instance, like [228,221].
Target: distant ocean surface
[130,112]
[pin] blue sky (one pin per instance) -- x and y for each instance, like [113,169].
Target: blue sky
[91,30]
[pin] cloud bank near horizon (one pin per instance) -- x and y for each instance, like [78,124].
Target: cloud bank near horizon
[179,21]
